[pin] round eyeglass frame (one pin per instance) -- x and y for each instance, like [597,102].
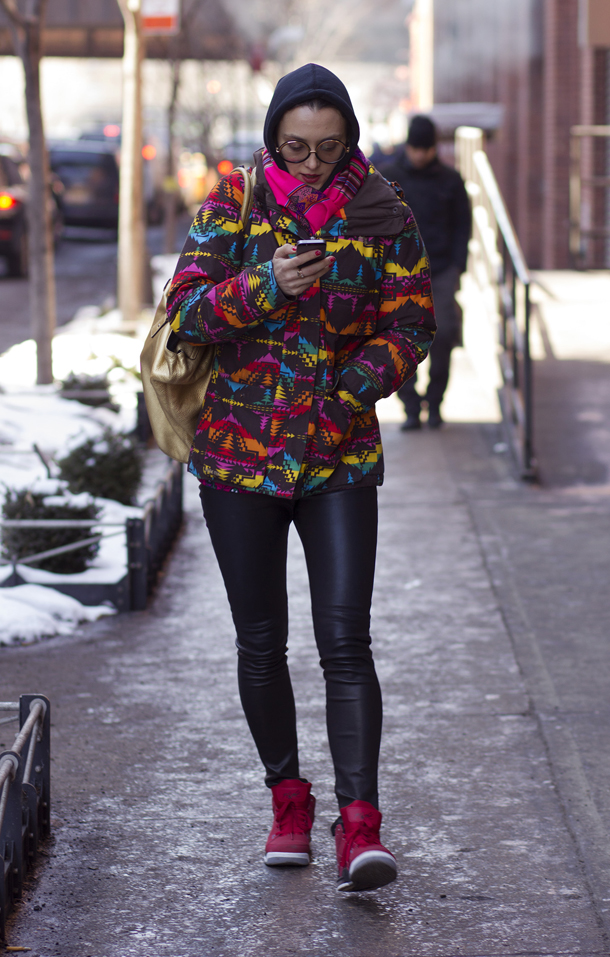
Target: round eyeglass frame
[278,149]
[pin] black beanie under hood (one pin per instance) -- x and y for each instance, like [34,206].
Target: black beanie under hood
[309,82]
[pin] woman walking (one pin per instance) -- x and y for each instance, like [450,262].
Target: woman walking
[305,346]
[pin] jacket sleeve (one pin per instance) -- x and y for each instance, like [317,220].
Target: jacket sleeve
[461,217]
[405,326]
[211,299]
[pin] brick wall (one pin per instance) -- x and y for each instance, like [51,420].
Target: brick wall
[525,54]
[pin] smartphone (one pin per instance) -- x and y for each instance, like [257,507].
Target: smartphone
[310,246]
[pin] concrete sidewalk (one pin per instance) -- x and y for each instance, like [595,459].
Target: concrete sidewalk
[160,814]
[490,628]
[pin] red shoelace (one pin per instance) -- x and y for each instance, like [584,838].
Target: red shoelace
[363,836]
[290,818]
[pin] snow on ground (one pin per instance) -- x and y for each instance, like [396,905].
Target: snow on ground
[38,415]
[81,352]
[31,612]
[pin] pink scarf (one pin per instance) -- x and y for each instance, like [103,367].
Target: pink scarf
[312,205]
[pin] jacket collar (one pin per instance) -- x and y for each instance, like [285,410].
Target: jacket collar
[375,210]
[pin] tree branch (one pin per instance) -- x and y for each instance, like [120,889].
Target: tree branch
[13,13]
[39,11]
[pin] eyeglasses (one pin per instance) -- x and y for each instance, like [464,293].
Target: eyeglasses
[328,151]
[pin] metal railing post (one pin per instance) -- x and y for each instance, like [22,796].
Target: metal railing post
[11,846]
[24,797]
[37,772]
[529,466]
[149,538]
[137,561]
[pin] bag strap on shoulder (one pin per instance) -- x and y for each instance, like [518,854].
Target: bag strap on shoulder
[249,184]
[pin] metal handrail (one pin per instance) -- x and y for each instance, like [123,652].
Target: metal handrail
[490,185]
[24,796]
[57,523]
[497,262]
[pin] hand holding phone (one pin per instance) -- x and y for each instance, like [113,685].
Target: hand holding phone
[297,267]
[311,245]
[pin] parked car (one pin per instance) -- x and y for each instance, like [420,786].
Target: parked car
[89,175]
[14,191]
[13,210]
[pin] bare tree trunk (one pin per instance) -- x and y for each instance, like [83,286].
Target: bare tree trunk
[171,184]
[132,236]
[26,30]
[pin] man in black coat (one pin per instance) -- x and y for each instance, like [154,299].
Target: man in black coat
[436,194]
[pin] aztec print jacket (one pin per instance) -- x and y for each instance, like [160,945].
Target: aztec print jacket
[290,409]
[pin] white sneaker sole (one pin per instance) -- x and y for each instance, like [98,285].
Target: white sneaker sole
[279,858]
[369,870]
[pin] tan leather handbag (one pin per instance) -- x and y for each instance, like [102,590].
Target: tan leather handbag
[175,383]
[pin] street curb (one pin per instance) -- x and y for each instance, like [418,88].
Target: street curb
[582,817]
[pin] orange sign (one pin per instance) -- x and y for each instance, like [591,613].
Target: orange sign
[160,17]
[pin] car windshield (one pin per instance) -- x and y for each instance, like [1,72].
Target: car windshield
[97,173]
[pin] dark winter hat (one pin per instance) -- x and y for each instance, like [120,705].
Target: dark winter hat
[309,82]
[422,132]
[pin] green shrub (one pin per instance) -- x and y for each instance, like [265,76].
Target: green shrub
[20,543]
[108,467]
[88,389]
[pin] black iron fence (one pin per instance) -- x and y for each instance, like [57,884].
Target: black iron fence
[498,266]
[25,795]
[149,540]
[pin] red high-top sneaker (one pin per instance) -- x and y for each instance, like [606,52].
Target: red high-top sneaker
[363,861]
[293,813]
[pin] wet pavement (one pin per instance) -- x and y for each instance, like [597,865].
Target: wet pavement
[490,625]
[85,272]
[159,810]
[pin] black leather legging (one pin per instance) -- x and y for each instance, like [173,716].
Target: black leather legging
[338,530]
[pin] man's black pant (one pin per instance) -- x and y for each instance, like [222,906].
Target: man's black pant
[338,530]
[448,320]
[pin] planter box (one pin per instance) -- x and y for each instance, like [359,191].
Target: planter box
[148,540]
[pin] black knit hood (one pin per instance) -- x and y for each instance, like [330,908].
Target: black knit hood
[309,82]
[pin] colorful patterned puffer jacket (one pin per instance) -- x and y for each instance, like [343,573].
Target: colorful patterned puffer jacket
[290,409]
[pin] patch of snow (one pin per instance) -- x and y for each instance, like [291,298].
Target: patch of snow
[56,424]
[32,612]
[48,486]
[80,353]
[55,603]
[31,413]
[20,623]
[82,500]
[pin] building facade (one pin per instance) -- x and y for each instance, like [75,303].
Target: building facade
[547,62]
